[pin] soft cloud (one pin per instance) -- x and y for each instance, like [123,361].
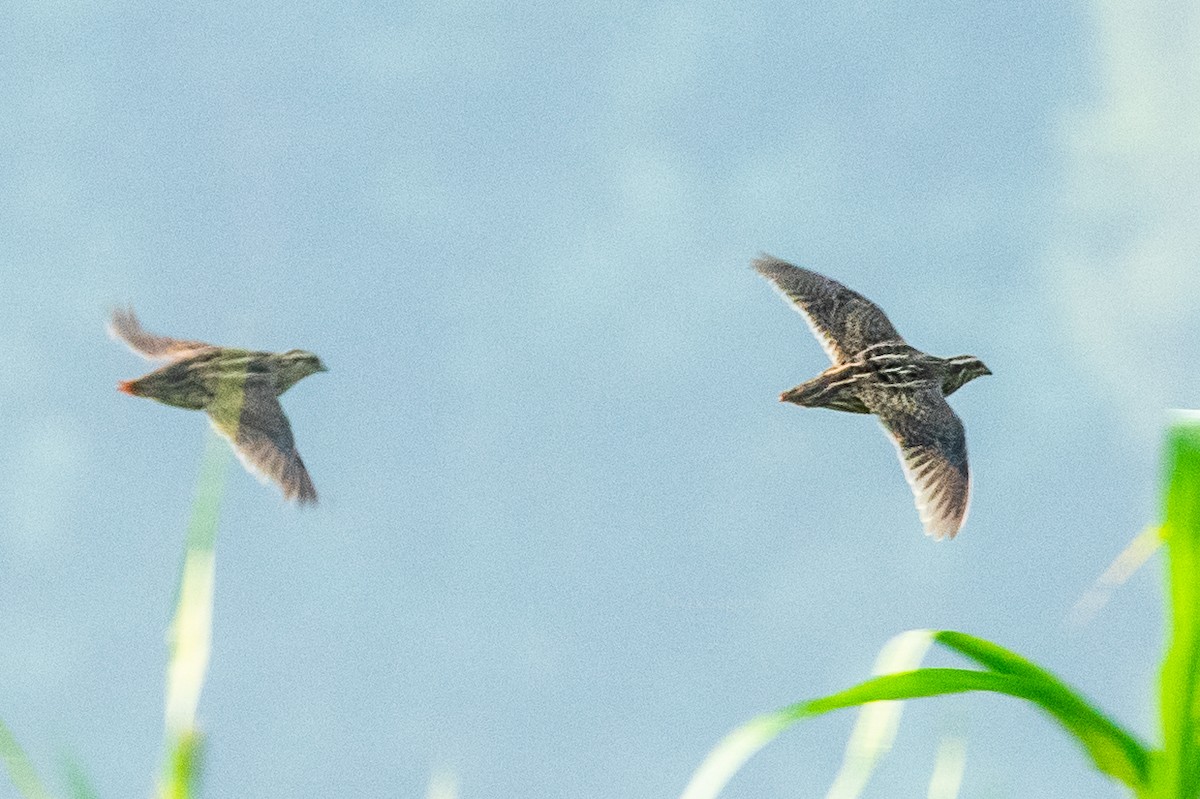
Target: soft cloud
[1125,261]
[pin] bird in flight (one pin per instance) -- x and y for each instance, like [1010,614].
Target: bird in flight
[239,391]
[875,371]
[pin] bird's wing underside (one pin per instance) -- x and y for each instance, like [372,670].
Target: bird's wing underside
[125,326]
[933,452]
[844,321]
[253,421]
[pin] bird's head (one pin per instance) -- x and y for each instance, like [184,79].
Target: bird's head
[961,370]
[295,365]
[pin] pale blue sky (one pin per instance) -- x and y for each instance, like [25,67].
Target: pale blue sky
[568,538]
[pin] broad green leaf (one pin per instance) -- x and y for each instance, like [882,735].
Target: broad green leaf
[1113,750]
[740,745]
[871,738]
[1180,771]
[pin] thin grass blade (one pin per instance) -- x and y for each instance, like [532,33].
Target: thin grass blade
[728,756]
[1113,750]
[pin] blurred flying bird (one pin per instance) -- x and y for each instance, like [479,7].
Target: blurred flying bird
[875,371]
[238,389]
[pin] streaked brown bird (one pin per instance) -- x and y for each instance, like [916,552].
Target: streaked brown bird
[239,391]
[875,371]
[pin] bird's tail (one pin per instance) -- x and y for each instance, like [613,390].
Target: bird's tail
[834,391]
[814,393]
[796,395]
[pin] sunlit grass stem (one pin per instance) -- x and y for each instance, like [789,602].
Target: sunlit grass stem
[190,633]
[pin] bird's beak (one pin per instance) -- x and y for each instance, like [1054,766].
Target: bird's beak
[321,367]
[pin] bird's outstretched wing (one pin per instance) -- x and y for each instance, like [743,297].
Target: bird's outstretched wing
[844,321]
[933,451]
[124,325]
[253,421]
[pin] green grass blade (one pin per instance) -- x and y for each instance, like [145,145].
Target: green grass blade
[20,767]
[871,738]
[917,685]
[1114,750]
[991,656]
[1180,770]
[190,635]
[728,756]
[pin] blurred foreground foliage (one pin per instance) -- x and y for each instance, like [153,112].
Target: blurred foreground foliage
[189,638]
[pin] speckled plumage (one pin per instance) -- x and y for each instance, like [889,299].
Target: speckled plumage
[875,371]
[239,391]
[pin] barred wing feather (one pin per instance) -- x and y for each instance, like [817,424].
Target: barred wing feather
[933,453]
[844,321]
[124,325]
[261,436]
